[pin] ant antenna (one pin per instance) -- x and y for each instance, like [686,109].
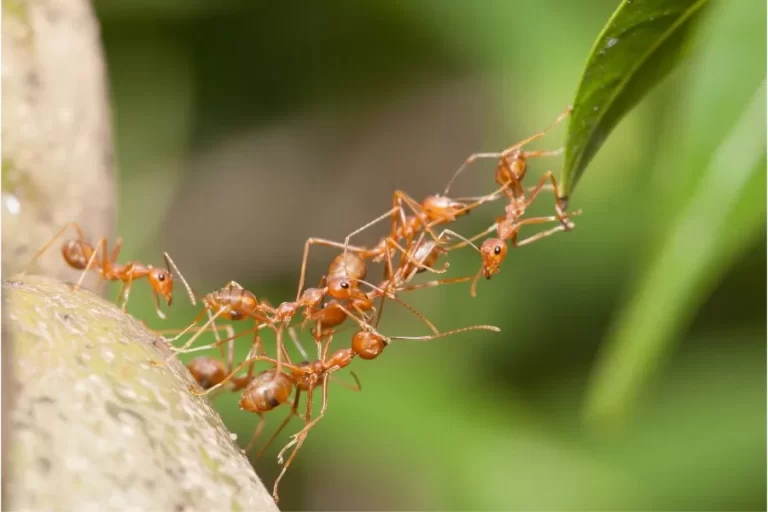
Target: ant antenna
[492,328]
[297,343]
[392,296]
[168,264]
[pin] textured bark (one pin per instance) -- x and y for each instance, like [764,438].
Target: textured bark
[58,163]
[98,425]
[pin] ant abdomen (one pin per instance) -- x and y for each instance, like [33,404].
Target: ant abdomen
[235,299]
[207,371]
[511,169]
[443,208]
[349,265]
[76,253]
[331,315]
[312,297]
[427,253]
[266,391]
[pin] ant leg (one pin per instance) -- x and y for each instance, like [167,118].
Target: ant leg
[537,236]
[303,432]
[227,378]
[228,328]
[438,282]
[407,256]
[468,241]
[388,277]
[242,365]
[356,387]
[90,263]
[469,161]
[115,251]
[41,251]
[479,200]
[294,412]
[319,241]
[561,214]
[280,350]
[318,335]
[392,296]
[256,432]
[125,290]
[540,134]
[184,331]
[509,150]
[392,212]
[307,418]
[401,197]
[362,323]
[211,320]
[213,345]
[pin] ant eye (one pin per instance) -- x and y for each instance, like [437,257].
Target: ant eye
[161,277]
[344,284]
[497,249]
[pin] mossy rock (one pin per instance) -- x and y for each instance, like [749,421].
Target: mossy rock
[96,424]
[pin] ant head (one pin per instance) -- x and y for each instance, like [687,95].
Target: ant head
[368,345]
[493,252]
[341,288]
[162,282]
[266,391]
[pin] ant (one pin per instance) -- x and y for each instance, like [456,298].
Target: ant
[233,302]
[81,255]
[208,372]
[271,388]
[434,210]
[493,251]
[511,170]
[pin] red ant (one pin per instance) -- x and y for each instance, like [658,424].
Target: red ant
[234,302]
[434,210]
[81,255]
[208,372]
[270,389]
[511,170]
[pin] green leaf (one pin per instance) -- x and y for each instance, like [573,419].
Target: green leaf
[717,221]
[640,45]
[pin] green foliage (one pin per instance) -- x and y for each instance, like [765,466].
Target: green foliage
[482,421]
[729,203]
[640,45]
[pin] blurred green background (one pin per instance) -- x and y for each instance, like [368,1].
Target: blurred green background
[245,127]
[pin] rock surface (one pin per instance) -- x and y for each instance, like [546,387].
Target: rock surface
[97,425]
[58,158]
